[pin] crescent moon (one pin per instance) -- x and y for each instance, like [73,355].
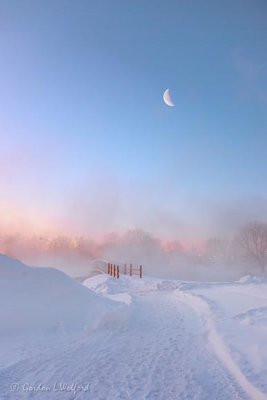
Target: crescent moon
[167,98]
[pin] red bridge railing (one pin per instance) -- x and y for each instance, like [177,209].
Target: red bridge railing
[114,270]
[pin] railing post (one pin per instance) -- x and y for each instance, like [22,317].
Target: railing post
[111,268]
[141,271]
[131,270]
[108,268]
[118,271]
[114,271]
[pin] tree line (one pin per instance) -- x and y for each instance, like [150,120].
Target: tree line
[248,246]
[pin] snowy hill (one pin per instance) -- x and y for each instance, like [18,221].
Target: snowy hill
[11,268]
[37,299]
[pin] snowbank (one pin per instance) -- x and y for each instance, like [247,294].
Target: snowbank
[38,299]
[252,279]
[123,288]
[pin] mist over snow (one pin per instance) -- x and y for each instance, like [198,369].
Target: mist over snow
[169,244]
[218,259]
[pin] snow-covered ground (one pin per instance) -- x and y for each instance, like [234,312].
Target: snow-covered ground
[130,338]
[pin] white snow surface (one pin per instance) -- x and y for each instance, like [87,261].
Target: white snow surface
[130,338]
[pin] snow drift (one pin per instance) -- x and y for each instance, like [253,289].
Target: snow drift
[38,299]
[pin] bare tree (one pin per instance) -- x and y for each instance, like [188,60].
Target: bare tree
[253,241]
[218,248]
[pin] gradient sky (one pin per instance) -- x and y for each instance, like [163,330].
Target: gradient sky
[88,145]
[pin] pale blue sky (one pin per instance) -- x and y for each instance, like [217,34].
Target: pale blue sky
[88,144]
